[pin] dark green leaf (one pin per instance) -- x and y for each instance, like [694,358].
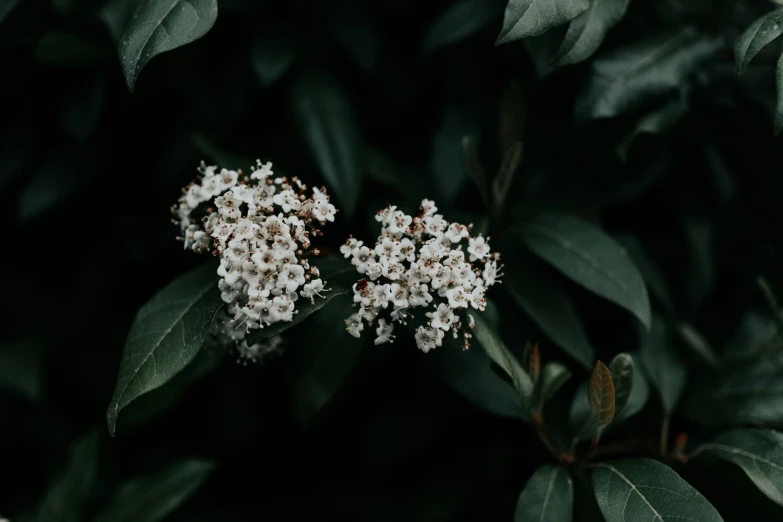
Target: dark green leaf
[115,14]
[524,18]
[166,335]
[700,234]
[551,309]
[5,8]
[758,452]
[446,162]
[640,393]
[628,77]
[152,497]
[755,37]
[652,275]
[696,342]
[57,181]
[542,50]
[548,497]
[273,53]
[737,396]
[65,499]
[21,367]
[497,351]
[601,395]
[355,30]
[656,122]
[644,489]
[158,26]
[405,180]
[591,258]
[70,49]
[326,119]
[553,377]
[459,21]
[779,90]
[587,31]
[622,372]
[322,358]
[667,372]
[470,373]
[336,276]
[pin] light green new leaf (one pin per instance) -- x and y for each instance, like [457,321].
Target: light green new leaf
[152,497]
[737,396]
[497,351]
[327,121]
[166,335]
[590,257]
[336,276]
[587,31]
[64,501]
[459,21]
[622,371]
[548,497]
[551,309]
[758,452]
[664,367]
[524,18]
[553,377]
[644,489]
[272,54]
[158,26]
[759,34]
[628,77]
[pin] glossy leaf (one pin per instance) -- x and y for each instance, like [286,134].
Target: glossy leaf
[158,26]
[587,31]
[459,21]
[336,276]
[587,255]
[739,395]
[551,309]
[152,497]
[553,377]
[622,371]
[759,453]
[166,335]
[582,421]
[645,489]
[652,275]
[601,395]
[524,18]
[756,37]
[326,119]
[666,370]
[471,374]
[497,351]
[65,499]
[548,497]
[272,54]
[779,90]
[628,77]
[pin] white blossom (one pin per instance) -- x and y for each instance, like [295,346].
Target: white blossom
[261,228]
[420,262]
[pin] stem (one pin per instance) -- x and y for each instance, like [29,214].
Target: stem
[664,446]
[549,442]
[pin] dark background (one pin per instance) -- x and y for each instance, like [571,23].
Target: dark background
[88,172]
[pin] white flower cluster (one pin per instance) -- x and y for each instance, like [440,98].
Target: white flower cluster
[422,261]
[227,338]
[260,227]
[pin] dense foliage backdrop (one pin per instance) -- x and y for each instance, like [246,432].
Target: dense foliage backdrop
[654,138]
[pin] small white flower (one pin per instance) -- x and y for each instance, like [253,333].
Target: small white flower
[490,273]
[384,332]
[354,325]
[478,248]
[428,338]
[442,318]
[312,289]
